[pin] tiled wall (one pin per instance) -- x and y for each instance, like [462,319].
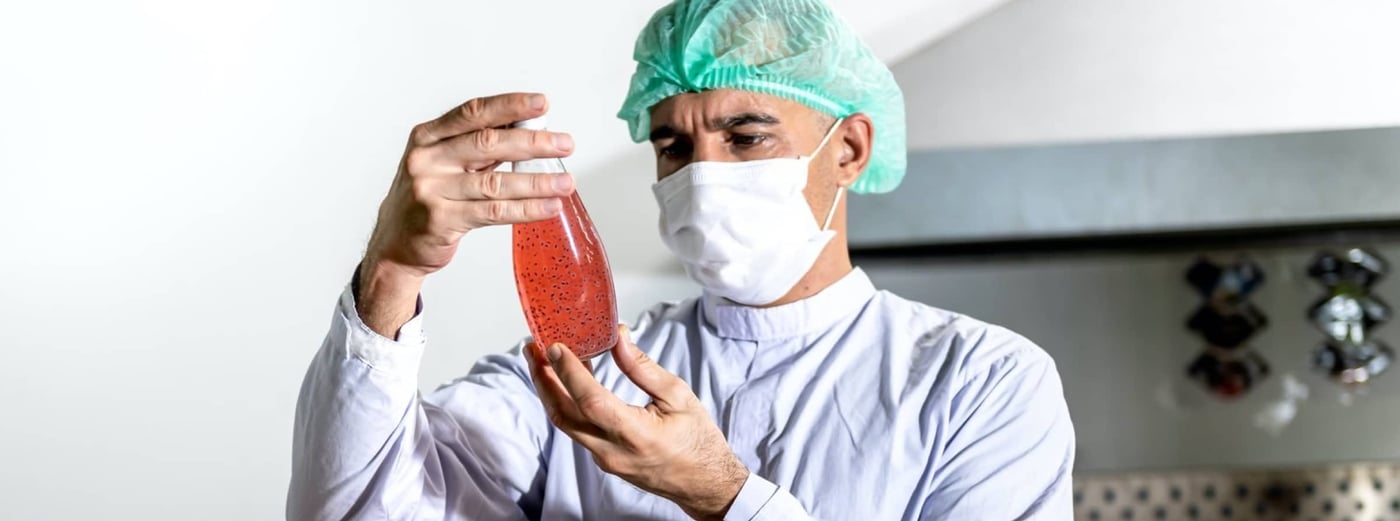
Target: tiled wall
[1354,492]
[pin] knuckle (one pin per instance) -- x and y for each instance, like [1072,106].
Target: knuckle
[541,184]
[692,402]
[541,140]
[487,139]
[422,191]
[608,463]
[497,211]
[489,184]
[557,418]
[417,159]
[678,388]
[473,109]
[421,133]
[592,406]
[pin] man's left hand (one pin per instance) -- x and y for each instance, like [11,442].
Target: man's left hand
[671,447]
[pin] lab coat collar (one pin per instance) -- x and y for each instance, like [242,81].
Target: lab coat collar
[815,313]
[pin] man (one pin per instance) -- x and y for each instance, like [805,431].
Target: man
[791,389]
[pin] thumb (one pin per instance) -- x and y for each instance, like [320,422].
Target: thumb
[663,387]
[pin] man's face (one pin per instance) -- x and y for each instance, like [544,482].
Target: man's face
[729,125]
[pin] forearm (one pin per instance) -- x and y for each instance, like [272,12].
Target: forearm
[386,295]
[715,498]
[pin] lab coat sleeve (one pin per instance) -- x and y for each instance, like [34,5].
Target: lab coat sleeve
[761,500]
[1011,451]
[366,446]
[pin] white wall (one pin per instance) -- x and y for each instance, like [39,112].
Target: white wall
[1039,71]
[896,29]
[186,186]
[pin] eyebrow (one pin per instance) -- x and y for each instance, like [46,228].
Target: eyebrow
[739,120]
[721,123]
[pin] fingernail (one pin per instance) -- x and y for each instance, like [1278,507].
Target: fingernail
[552,206]
[626,332]
[563,182]
[563,142]
[554,353]
[537,101]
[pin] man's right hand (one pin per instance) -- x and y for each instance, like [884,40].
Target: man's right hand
[446,187]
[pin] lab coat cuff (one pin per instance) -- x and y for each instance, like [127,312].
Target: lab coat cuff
[400,356]
[761,500]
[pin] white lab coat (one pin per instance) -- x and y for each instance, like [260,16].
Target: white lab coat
[853,404]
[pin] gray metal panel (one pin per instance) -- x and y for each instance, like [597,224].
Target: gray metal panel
[1136,187]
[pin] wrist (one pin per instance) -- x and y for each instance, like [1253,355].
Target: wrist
[725,492]
[386,295]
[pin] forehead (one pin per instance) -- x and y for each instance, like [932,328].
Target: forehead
[696,108]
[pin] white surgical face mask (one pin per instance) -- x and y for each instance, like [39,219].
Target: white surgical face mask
[743,230]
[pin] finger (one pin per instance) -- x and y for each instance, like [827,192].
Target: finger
[475,151]
[502,185]
[562,410]
[485,149]
[597,405]
[666,389]
[470,215]
[479,113]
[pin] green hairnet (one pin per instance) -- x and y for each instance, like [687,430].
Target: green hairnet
[795,49]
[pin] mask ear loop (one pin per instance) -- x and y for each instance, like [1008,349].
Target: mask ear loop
[829,132]
[834,203]
[839,189]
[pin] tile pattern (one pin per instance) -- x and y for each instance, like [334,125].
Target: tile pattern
[1356,492]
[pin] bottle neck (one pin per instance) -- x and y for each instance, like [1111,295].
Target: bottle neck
[538,166]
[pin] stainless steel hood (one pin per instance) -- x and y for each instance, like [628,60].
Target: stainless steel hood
[1179,187]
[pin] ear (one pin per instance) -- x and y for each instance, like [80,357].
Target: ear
[855,137]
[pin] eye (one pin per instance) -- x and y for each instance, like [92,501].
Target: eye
[677,149]
[747,140]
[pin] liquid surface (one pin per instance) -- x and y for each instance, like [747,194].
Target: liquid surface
[565,285]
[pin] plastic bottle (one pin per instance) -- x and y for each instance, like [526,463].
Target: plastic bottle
[562,273]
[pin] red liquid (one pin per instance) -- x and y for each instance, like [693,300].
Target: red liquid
[565,285]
